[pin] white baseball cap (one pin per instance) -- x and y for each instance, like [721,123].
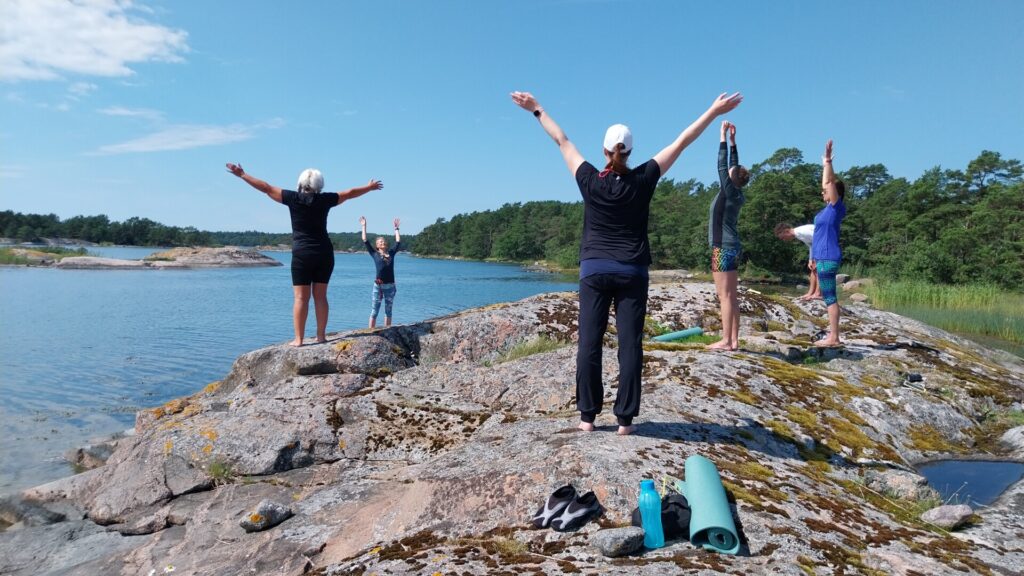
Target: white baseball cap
[618,134]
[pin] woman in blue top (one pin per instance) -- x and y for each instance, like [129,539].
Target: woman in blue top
[384,284]
[312,251]
[825,249]
[615,253]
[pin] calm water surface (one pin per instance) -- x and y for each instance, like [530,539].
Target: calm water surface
[82,350]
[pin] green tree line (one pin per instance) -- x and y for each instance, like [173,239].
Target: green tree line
[947,226]
[145,232]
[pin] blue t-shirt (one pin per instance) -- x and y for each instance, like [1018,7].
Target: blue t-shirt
[825,245]
[385,266]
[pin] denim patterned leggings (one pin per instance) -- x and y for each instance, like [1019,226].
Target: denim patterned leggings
[384,292]
[827,280]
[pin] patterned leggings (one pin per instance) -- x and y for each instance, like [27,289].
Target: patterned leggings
[827,280]
[385,292]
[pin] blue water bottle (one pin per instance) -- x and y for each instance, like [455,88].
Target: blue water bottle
[650,515]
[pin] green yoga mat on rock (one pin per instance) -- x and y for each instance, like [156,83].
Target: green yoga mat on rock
[711,524]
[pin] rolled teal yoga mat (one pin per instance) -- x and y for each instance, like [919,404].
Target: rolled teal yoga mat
[677,335]
[711,524]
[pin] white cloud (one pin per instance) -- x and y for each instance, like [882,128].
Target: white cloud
[12,172]
[178,136]
[181,137]
[146,113]
[79,89]
[43,39]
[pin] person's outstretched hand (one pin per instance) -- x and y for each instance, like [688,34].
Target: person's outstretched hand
[397,222]
[725,103]
[526,101]
[362,221]
[235,169]
[732,133]
[828,152]
[375,184]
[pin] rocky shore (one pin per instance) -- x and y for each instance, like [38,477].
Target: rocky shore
[227,257]
[424,449]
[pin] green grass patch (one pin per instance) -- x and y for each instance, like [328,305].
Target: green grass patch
[221,472]
[14,254]
[982,309]
[654,328]
[537,345]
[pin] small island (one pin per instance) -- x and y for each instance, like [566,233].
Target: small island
[187,258]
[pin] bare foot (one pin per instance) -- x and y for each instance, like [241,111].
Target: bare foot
[321,340]
[586,426]
[296,343]
[815,297]
[827,342]
[625,430]
[720,345]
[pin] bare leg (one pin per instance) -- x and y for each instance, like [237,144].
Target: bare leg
[725,306]
[733,295]
[833,327]
[815,290]
[320,302]
[373,322]
[387,321]
[300,309]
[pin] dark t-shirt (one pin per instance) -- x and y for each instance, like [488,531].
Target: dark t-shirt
[616,209]
[385,267]
[724,213]
[309,220]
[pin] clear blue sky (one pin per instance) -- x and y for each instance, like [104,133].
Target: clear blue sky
[132,108]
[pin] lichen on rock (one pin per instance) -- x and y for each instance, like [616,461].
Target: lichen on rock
[411,449]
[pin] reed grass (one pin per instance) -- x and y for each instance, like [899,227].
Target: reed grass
[537,345]
[982,309]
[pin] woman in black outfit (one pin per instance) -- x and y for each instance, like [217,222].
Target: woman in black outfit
[312,251]
[615,253]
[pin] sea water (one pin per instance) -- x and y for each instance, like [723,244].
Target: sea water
[82,350]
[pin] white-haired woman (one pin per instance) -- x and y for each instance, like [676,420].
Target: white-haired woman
[615,252]
[312,251]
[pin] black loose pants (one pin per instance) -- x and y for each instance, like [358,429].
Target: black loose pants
[629,295]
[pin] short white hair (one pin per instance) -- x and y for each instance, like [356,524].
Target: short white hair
[311,181]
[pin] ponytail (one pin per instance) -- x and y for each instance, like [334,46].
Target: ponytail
[617,160]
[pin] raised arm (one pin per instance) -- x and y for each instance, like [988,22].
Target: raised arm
[667,157]
[734,155]
[362,224]
[273,191]
[570,154]
[828,176]
[359,191]
[723,155]
[398,237]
